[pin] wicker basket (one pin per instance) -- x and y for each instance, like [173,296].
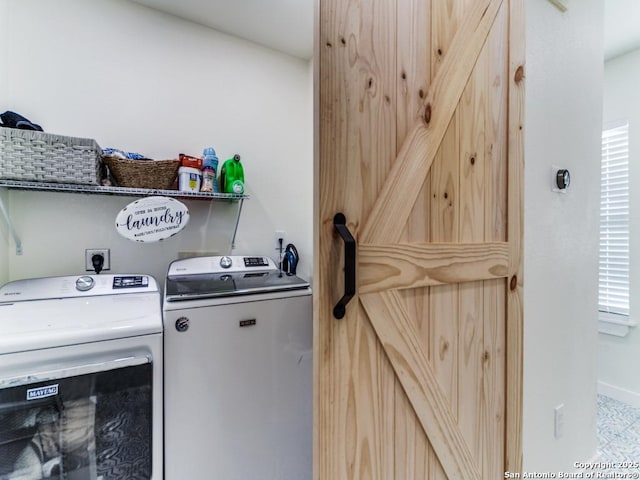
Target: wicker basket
[159,174]
[44,157]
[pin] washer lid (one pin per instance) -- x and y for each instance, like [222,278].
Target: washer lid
[213,277]
[52,312]
[187,287]
[76,286]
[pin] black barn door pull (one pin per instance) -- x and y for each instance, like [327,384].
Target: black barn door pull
[340,224]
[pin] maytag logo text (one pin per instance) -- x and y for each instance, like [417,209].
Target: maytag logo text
[42,392]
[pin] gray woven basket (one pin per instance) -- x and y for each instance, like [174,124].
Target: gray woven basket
[44,157]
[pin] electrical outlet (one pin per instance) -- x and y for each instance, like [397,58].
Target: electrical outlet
[90,252]
[558,421]
[279,234]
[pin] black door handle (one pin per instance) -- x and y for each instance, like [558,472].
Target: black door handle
[340,224]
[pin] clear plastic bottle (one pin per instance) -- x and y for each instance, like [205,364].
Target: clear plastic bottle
[209,169]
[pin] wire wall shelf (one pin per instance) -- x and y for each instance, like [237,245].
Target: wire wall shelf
[124,191]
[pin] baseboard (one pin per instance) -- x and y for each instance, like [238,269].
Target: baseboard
[620,394]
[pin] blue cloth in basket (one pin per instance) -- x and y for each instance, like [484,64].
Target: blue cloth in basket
[122,154]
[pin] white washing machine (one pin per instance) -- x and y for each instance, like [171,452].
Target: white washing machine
[238,371]
[81,378]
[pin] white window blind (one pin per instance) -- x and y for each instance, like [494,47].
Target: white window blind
[613,294]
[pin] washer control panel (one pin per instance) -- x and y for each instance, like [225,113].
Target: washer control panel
[76,286]
[221,264]
[255,262]
[130,281]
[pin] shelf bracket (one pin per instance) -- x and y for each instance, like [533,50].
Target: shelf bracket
[235,229]
[12,230]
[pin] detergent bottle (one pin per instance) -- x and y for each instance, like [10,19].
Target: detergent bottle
[232,176]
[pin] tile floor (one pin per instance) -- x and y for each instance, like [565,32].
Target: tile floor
[618,433]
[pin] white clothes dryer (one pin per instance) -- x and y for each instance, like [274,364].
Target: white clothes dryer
[81,378]
[238,371]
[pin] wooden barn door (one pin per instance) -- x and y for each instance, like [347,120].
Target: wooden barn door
[419,143]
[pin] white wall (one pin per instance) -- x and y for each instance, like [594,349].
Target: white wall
[4,234]
[563,124]
[621,101]
[4,240]
[144,81]
[4,48]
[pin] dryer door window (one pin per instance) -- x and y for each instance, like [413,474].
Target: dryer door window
[82,427]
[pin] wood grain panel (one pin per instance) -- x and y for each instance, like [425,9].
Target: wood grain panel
[414,78]
[470,351]
[515,219]
[413,72]
[446,15]
[472,111]
[354,385]
[493,378]
[496,130]
[398,335]
[357,37]
[416,301]
[444,328]
[444,207]
[400,266]
[444,187]
[415,458]
[390,212]
[443,305]
[419,140]
[494,366]
[374,60]
[412,449]
[361,396]
[369,416]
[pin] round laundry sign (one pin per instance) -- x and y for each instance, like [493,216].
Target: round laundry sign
[152,219]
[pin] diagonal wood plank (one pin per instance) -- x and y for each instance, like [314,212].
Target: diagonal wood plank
[400,340]
[383,267]
[391,210]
